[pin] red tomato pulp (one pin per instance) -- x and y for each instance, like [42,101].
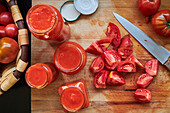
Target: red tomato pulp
[72,99]
[45,22]
[70,58]
[79,85]
[41,15]
[40,75]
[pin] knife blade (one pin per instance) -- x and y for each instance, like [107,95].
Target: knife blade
[158,51]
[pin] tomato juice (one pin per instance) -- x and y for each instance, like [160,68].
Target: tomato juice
[40,75]
[76,88]
[46,23]
[72,99]
[70,58]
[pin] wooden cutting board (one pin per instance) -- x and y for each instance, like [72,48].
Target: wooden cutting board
[86,30]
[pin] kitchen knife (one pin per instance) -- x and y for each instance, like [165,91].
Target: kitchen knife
[153,47]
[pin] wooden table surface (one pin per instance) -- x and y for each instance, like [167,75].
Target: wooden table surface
[112,99]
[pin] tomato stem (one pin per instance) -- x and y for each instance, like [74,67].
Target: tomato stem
[168,24]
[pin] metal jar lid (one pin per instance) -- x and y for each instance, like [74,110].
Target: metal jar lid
[86,7]
[69,12]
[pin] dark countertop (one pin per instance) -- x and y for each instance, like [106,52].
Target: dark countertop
[18,98]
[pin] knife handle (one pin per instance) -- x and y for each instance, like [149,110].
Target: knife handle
[167,64]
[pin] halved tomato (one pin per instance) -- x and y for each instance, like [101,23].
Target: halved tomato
[111,59]
[115,79]
[151,67]
[94,48]
[113,31]
[126,42]
[134,59]
[143,95]
[144,80]
[100,79]
[105,42]
[97,65]
[124,52]
[126,66]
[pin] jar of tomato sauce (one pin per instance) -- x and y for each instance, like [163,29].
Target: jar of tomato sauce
[41,75]
[73,96]
[70,58]
[45,22]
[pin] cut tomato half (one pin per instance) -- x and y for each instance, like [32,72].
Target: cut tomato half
[134,59]
[94,48]
[105,42]
[115,79]
[144,80]
[124,52]
[126,66]
[126,42]
[100,79]
[113,31]
[97,65]
[151,67]
[111,59]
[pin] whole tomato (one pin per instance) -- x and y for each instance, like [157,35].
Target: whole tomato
[8,50]
[6,18]
[148,7]
[161,23]
[2,7]
[11,30]
[2,31]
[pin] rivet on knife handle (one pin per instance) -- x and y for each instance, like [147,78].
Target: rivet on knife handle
[167,64]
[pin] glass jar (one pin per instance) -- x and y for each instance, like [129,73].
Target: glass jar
[46,23]
[41,75]
[70,58]
[73,96]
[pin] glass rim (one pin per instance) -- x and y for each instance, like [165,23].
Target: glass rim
[35,7]
[59,66]
[31,85]
[71,110]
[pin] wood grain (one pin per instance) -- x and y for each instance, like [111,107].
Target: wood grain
[112,99]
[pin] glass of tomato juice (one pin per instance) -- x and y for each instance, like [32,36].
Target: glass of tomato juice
[41,75]
[46,23]
[73,96]
[70,58]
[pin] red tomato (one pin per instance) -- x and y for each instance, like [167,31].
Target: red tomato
[161,23]
[134,59]
[124,52]
[149,7]
[11,30]
[144,80]
[151,67]
[2,8]
[126,42]
[143,95]
[6,18]
[8,50]
[97,65]
[115,79]
[94,48]
[105,42]
[126,66]
[2,31]
[111,59]
[113,31]
[100,79]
